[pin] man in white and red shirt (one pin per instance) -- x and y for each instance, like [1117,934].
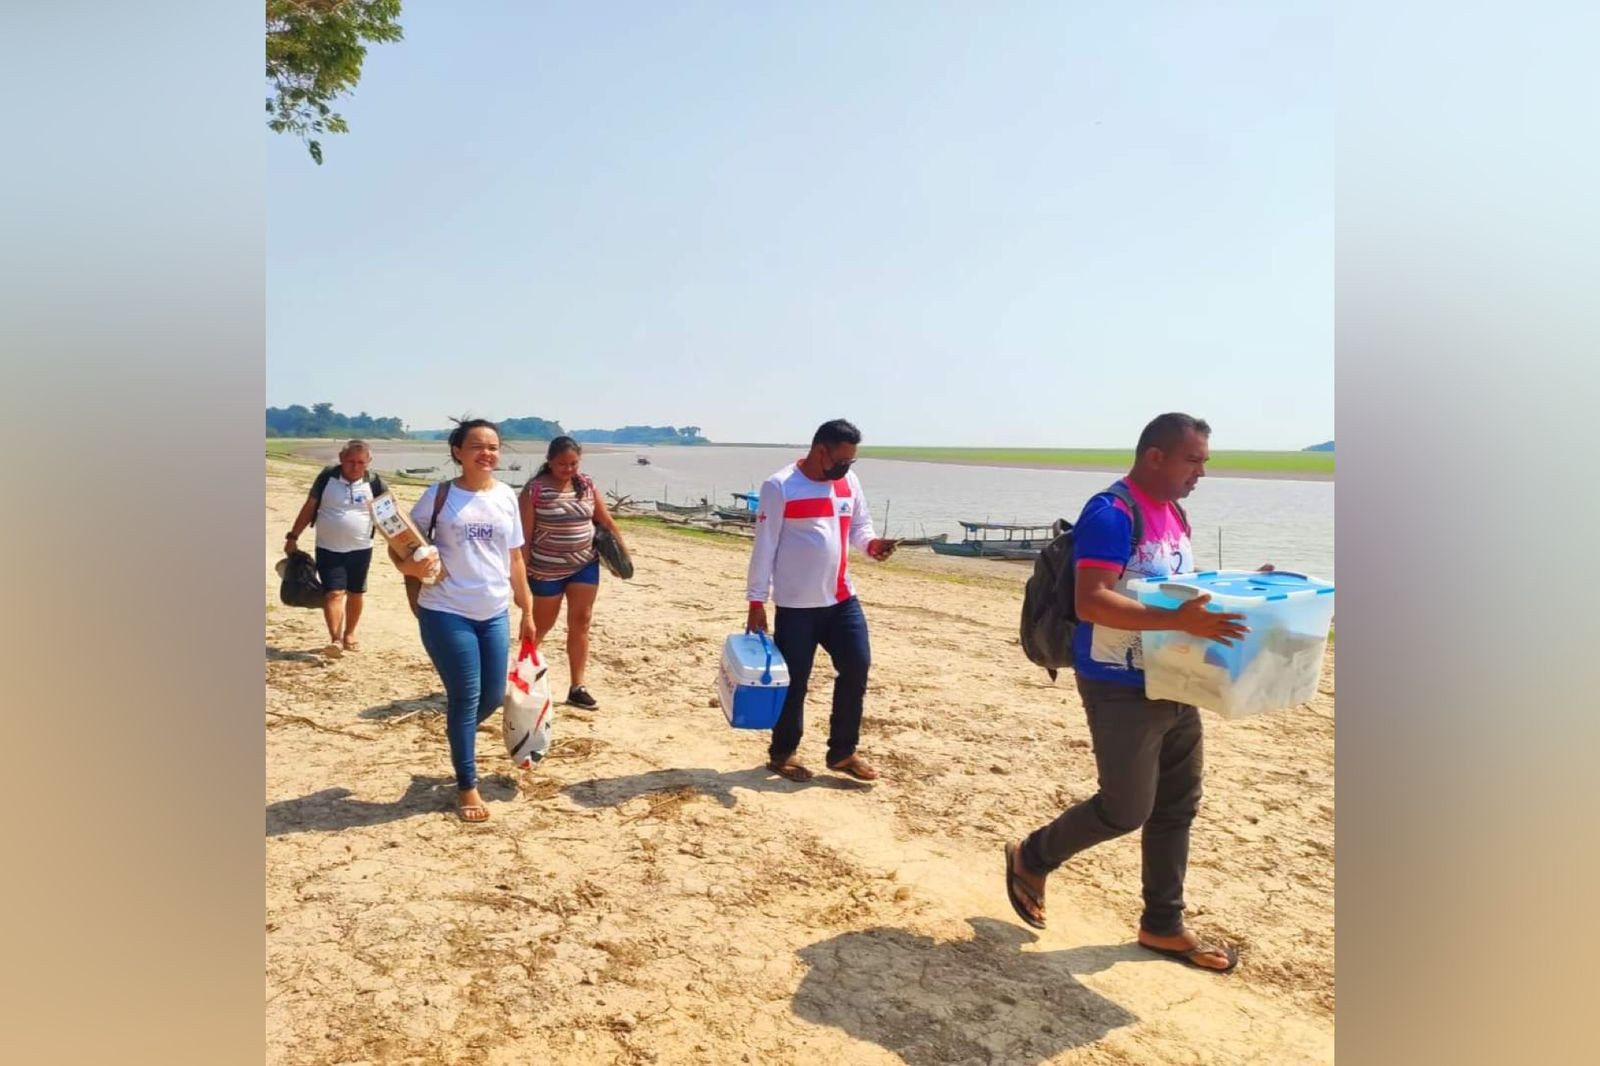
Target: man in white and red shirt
[811,514]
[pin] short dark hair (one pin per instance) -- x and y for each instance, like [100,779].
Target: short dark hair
[838,431]
[1165,431]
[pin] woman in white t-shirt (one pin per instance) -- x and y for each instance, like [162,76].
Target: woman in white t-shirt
[464,619]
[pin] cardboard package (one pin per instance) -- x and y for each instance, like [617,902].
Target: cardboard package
[403,537]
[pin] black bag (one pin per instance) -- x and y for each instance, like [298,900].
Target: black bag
[1049,618]
[1049,600]
[612,554]
[301,587]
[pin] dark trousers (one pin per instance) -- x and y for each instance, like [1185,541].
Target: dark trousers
[841,630]
[1149,756]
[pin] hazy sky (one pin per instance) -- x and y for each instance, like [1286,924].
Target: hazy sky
[1040,227]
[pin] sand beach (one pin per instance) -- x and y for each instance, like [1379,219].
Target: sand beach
[651,894]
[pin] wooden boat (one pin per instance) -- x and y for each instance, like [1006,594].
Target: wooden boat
[417,471]
[997,540]
[701,508]
[746,512]
[921,542]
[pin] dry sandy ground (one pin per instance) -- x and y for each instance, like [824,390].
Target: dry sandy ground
[650,894]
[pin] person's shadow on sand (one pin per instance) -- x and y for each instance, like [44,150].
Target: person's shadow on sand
[333,809]
[432,703]
[718,784]
[979,1000]
[286,655]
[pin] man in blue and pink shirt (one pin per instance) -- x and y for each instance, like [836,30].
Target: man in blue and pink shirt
[1148,752]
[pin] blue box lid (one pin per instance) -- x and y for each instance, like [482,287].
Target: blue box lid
[1249,584]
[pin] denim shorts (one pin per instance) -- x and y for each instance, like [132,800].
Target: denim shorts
[589,575]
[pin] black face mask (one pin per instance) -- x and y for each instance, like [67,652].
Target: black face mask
[838,469]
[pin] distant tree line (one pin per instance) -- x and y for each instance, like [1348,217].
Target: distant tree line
[641,435]
[510,429]
[321,420]
[530,429]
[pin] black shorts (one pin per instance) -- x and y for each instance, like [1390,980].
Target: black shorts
[343,571]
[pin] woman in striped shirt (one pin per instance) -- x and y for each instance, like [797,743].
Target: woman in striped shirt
[560,509]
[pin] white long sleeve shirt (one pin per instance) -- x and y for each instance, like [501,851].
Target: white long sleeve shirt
[804,530]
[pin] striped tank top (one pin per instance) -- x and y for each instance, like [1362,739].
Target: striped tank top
[563,529]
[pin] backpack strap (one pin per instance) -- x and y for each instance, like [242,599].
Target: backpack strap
[1120,491]
[318,487]
[441,492]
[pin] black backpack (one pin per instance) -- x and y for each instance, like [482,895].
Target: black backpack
[1049,606]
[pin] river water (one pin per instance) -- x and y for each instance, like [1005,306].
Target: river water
[1241,522]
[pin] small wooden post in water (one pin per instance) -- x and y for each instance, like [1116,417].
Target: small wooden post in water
[886,504]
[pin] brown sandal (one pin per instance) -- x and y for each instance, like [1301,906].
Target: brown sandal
[472,812]
[856,767]
[790,769]
[1187,955]
[1028,904]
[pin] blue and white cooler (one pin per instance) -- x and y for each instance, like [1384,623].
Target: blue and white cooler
[1278,663]
[752,682]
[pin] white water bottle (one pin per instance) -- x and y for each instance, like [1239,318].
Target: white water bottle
[424,553]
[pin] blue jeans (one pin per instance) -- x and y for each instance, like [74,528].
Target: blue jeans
[473,659]
[841,630]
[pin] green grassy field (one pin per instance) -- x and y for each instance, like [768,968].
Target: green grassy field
[634,521]
[1317,463]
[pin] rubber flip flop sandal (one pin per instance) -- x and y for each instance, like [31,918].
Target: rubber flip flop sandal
[1186,955]
[1012,882]
[849,767]
[791,772]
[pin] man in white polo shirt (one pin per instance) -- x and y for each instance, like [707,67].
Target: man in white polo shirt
[340,506]
[811,514]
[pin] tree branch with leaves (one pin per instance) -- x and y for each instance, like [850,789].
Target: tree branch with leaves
[315,49]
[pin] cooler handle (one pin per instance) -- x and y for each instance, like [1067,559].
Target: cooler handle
[766,673]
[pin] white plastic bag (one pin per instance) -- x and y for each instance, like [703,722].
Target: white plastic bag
[529,711]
